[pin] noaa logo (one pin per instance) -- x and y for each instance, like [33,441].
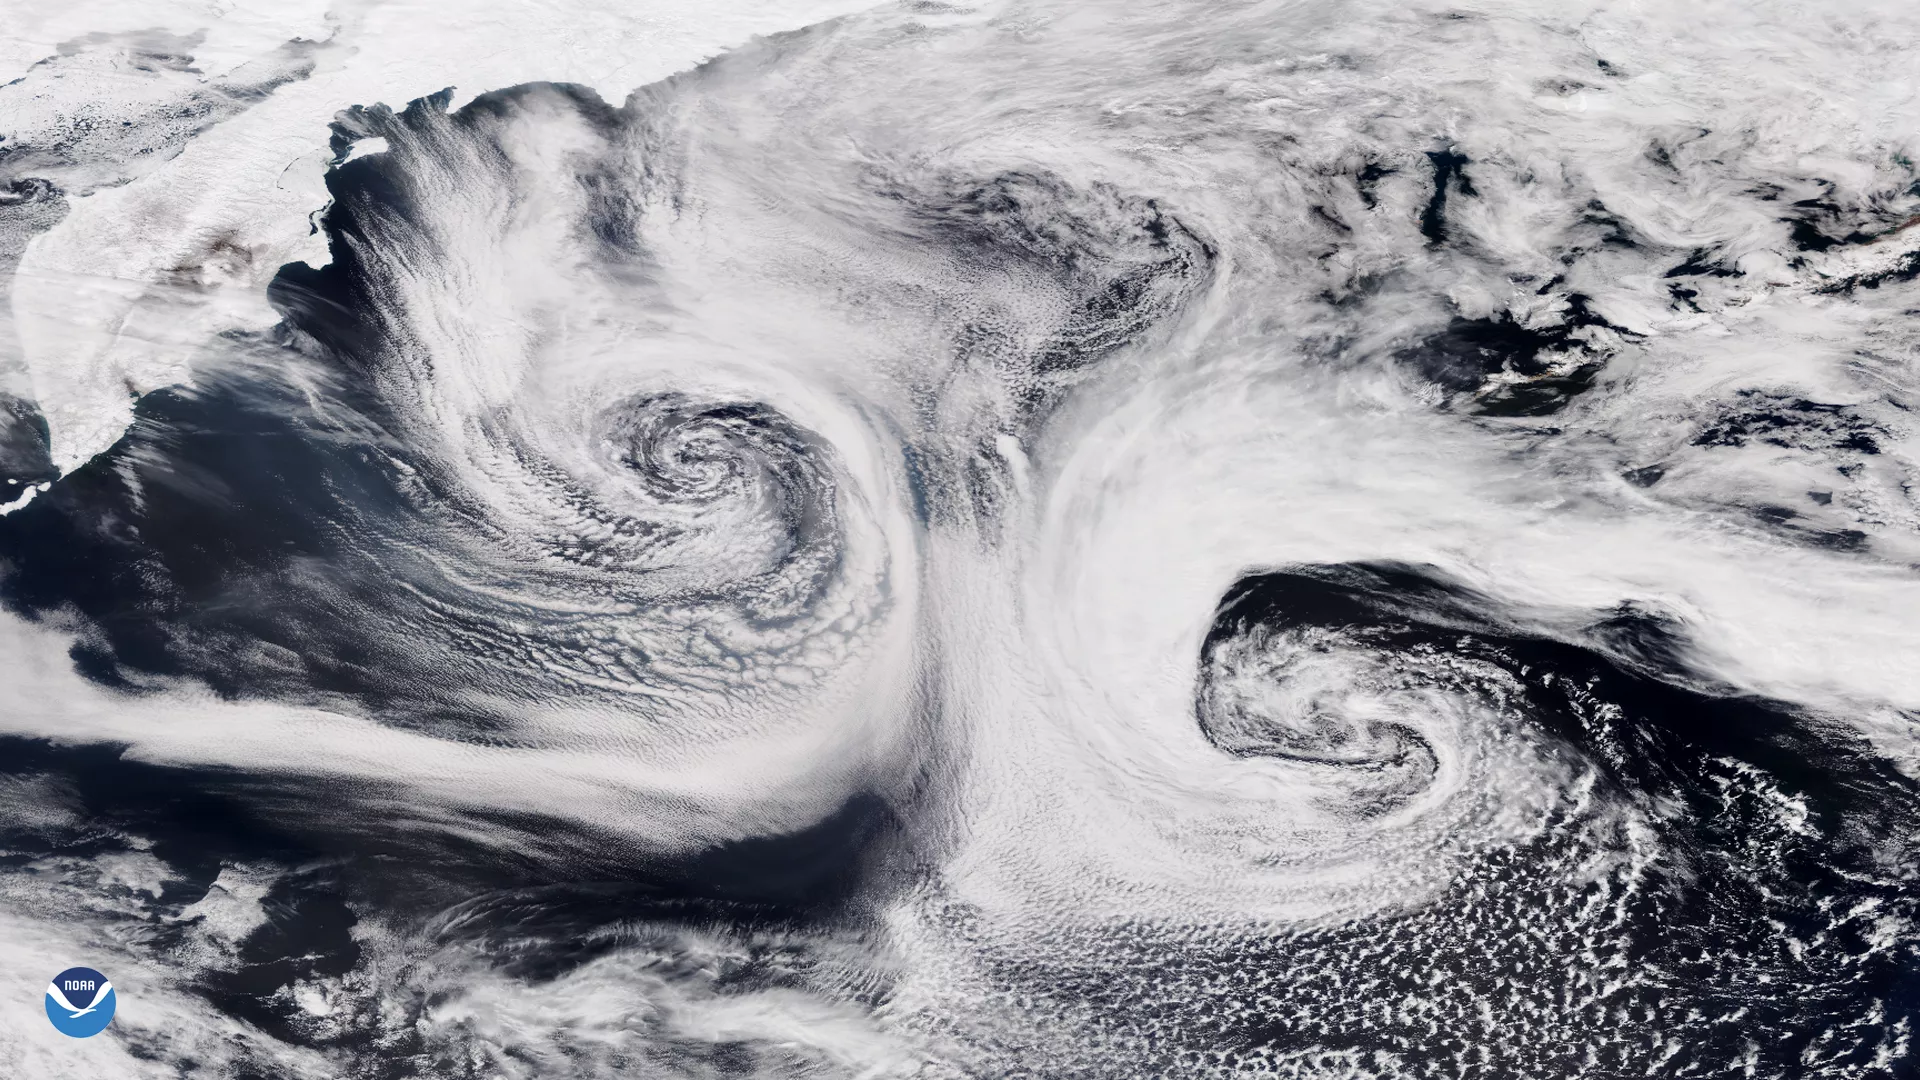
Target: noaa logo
[80,1002]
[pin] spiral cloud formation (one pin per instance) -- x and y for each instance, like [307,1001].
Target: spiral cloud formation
[1028,539]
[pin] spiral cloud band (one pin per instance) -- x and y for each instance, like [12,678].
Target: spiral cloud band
[1174,539]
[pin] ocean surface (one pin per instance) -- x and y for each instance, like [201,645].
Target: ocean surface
[1029,539]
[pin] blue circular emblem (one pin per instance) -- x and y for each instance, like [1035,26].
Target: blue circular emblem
[80,1002]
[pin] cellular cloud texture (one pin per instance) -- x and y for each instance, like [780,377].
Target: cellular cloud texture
[1320,540]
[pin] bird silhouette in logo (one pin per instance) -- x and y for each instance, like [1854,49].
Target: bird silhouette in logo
[60,999]
[95,1012]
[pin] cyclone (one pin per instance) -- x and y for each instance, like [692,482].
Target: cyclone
[1022,539]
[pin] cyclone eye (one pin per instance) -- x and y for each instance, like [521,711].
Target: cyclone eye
[1346,703]
[696,450]
[1370,683]
[738,467]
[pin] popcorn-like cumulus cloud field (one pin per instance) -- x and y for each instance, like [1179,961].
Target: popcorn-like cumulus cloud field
[1020,539]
